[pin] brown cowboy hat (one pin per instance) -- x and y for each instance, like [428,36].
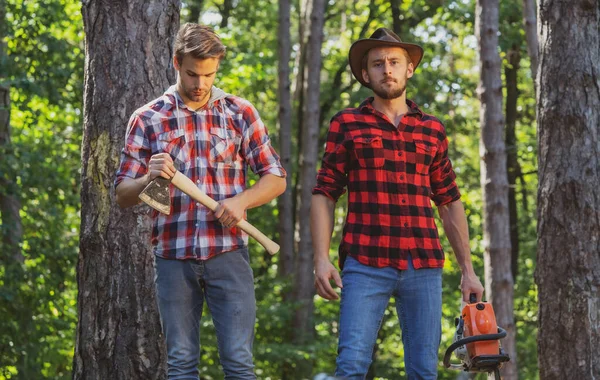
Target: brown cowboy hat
[381,37]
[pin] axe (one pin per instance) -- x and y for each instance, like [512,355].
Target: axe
[157,196]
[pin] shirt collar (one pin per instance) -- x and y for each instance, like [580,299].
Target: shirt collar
[171,96]
[367,106]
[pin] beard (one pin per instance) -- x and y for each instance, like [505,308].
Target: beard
[196,95]
[389,93]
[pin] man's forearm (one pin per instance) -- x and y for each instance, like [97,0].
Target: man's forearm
[321,225]
[455,225]
[129,189]
[267,188]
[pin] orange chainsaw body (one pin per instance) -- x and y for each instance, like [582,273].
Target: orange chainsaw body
[479,319]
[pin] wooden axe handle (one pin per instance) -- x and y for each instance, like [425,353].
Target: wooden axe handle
[186,185]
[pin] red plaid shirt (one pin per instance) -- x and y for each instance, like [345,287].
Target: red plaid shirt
[392,174]
[213,147]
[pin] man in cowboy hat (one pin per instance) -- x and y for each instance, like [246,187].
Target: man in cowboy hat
[393,159]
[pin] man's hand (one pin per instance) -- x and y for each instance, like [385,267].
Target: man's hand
[161,165]
[469,284]
[127,192]
[324,273]
[230,211]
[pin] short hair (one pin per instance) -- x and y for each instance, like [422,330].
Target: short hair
[365,58]
[198,41]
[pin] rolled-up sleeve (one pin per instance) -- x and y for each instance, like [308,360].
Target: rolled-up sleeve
[136,153]
[256,146]
[331,177]
[443,184]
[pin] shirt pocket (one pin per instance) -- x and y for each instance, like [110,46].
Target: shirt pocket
[224,145]
[369,151]
[175,144]
[425,153]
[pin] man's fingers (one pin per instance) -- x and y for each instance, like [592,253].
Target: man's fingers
[219,212]
[337,279]
[322,292]
[328,292]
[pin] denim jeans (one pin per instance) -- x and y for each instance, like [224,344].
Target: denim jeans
[227,284]
[365,296]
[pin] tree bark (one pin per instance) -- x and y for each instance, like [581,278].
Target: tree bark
[512,162]
[396,14]
[568,256]
[496,235]
[285,201]
[225,11]
[128,46]
[304,280]
[11,230]
[10,204]
[530,26]
[195,7]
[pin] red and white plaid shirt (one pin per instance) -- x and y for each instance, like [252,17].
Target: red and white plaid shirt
[392,174]
[213,146]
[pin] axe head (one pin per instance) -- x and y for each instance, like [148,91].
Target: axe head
[157,195]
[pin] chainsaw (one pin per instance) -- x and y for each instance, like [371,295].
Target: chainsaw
[477,340]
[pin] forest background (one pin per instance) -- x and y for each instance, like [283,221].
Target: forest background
[42,65]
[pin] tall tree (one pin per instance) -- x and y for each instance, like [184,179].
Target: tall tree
[128,55]
[195,10]
[11,229]
[530,26]
[304,279]
[225,10]
[568,256]
[285,201]
[512,164]
[496,235]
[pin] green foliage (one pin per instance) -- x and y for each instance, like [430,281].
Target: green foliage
[44,67]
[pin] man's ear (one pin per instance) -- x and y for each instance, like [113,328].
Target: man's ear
[176,63]
[410,70]
[365,76]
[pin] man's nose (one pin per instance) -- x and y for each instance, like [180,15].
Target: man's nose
[388,67]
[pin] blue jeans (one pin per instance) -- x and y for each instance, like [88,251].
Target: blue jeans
[365,296]
[227,284]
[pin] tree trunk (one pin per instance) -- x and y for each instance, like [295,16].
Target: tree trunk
[10,204]
[512,163]
[285,201]
[225,11]
[530,26]
[496,235]
[298,97]
[396,14]
[568,256]
[128,47]
[195,7]
[11,228]
[303,279]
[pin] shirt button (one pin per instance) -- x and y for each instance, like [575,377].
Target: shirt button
[404,201]
[399,153]
[197,135]
[402,177]
[197,225]
[198,181]
[405,224]
[198,205]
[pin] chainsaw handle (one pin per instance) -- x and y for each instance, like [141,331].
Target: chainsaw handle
[501,334]
[472,298]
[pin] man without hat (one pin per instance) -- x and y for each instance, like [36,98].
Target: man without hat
[392,158]
[213,138]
